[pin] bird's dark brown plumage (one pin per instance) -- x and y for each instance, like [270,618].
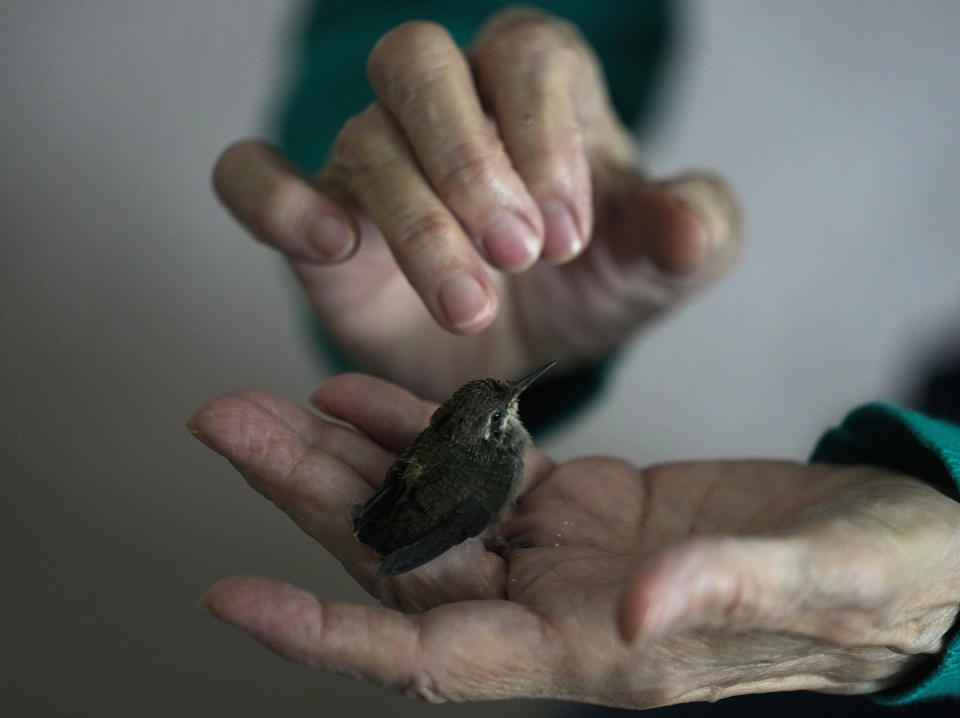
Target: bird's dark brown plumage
[452,481]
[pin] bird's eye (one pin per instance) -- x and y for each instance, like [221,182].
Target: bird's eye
[496,417]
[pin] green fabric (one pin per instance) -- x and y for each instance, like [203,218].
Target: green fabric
[889,436]
[330,82]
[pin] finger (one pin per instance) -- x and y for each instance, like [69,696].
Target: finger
[280,207]
[314,487]
[424,81]
[689,227]
[389,415]
[372,158]
[466,651]
[710,202]
[237,426]
[535,73]
[341,638]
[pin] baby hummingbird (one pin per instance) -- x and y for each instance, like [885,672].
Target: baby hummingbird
[452,481]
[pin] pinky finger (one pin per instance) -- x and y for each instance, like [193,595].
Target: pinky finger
[281,207]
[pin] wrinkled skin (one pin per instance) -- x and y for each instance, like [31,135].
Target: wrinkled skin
[621,586]
[402,241]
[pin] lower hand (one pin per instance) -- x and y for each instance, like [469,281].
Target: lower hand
[623,586]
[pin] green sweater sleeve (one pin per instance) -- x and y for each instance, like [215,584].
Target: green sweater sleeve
[886,435]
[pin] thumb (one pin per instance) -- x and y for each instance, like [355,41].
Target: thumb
[730,583]
[688,226]
[709,199]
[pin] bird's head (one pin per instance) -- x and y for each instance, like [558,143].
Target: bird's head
[484,412]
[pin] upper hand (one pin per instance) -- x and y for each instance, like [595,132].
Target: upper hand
[507,157]
[623,586]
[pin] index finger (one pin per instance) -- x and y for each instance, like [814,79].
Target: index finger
[423,79]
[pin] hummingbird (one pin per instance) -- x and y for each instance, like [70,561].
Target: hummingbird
[453,481]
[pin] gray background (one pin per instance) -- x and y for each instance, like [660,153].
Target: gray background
[128,297]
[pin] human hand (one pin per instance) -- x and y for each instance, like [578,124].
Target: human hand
[624,587]
[508,158]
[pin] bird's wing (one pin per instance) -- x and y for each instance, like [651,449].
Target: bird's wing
[401,476]
[369,515]
[468,519]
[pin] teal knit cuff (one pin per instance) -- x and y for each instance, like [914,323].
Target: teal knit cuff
[914,444]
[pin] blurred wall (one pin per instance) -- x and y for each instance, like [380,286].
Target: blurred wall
[127,297]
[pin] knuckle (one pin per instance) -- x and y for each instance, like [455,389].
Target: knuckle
[470,164]
[544,40]
[550,166]
[404,52]
[353,139]
[417,233]
[359,144]
[556,52]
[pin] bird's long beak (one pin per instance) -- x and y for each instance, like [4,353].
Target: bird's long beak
[522,384]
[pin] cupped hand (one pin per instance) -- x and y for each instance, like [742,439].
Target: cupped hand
[618,586]
[486,214]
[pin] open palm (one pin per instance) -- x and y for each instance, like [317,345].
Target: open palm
[616,585]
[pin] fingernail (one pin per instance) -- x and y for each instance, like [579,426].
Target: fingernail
[331,238]
[509,243]
[464,300]
[562,240]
